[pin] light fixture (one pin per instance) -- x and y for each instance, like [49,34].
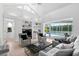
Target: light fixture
[9,24]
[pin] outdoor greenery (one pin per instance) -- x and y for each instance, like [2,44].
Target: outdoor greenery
[58,28]
[46,29]
[61,28]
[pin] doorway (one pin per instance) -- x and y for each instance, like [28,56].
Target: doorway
[8,28]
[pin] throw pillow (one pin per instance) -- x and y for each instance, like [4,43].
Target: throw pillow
[76,43]
[76,52]
[60,52]
[71,38]
[65,46]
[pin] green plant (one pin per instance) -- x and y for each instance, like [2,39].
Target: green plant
[46,29]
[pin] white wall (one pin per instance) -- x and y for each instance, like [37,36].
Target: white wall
[71,11]
[8,34]
[1,24]
[18,28]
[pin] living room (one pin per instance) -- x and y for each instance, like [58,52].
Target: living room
[41,28]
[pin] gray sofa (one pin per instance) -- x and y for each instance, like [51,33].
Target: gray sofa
[63,49]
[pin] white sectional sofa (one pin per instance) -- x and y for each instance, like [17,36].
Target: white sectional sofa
[64,49]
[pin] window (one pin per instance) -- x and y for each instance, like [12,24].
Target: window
[62,27]
[59,28]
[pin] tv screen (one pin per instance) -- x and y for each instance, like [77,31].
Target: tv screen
[23,36]
[28,31]
[40,34]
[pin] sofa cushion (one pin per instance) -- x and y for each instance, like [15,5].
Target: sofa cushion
[71,38]
[76,52]
[64,52]
[60,52]
[52,51]
[76,43]
[65,46]
[60,46]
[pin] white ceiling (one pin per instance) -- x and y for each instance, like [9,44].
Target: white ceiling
[45,8]
[31,10]
[16,10]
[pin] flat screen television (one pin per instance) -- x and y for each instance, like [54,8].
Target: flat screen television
[28,31]
[40,34]
[23,36]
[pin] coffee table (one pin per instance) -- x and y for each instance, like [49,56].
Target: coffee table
[36,48]
[33,48]
[40,45]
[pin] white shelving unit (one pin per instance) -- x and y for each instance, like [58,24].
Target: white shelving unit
[35,30]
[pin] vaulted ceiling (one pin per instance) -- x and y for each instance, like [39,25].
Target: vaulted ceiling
[45,8]
[31,10]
